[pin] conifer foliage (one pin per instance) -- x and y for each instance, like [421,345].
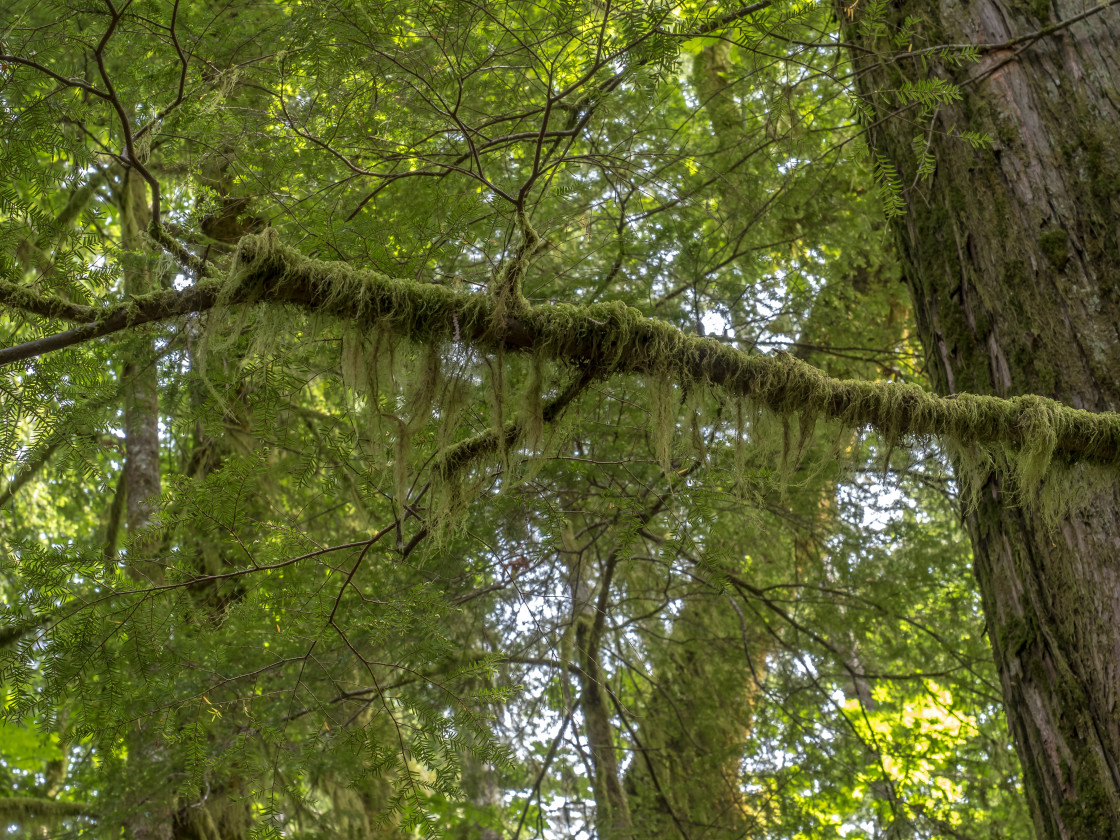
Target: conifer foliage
[491,419]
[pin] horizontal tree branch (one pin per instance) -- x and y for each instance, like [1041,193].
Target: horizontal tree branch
[72,81]
[612,338]
[17,808]
[21,297]
[145,309]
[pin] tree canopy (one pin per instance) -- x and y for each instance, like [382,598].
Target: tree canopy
[491,419]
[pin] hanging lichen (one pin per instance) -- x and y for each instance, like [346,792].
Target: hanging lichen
[425,385]
[1029,434]
[504,438]
[740,443]
[693,404]
[663,420]
[532,414]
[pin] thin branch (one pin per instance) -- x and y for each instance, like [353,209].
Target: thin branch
[30,470]
[78,83]
[122,115]
[144,309]
[361,556]
[549,756]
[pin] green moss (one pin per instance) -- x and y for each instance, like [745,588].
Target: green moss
[1103,171]
[1028,434]
[1089,806]
[1091,812]
[18,296]
[1041,10]
[1016,636]
[1055,247]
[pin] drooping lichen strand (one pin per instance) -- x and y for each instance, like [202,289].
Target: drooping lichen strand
[454,458]
[426,384]
[402,451]
[740,442]
[497,404]
[611,338]
[663,420]
[532,414]
[693,403]
[352,361]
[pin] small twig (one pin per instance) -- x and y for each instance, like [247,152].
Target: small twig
[369,544]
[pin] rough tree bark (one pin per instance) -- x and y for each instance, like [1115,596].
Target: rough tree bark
[1012,255]
[150,818]
[141,388]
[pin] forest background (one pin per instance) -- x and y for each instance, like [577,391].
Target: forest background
[592,419]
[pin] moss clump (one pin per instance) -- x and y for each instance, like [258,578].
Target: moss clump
[1041,10]
[1055,247]
[1038,423]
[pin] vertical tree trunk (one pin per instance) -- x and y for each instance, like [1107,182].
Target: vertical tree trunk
[1012,255]
[612,811]
[151,819]
[141,387]
[583,646]
[685,779]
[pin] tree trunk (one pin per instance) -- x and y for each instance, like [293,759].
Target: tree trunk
[141,386]
[685,779]
[150,819]
[612,812]
[1012,255]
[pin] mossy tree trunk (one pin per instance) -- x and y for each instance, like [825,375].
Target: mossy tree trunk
[1012,255]
[685,779]
[150,818]
[141,385]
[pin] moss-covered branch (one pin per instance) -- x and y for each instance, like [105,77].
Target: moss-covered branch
[17,296]
[612,338]
[17,808]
